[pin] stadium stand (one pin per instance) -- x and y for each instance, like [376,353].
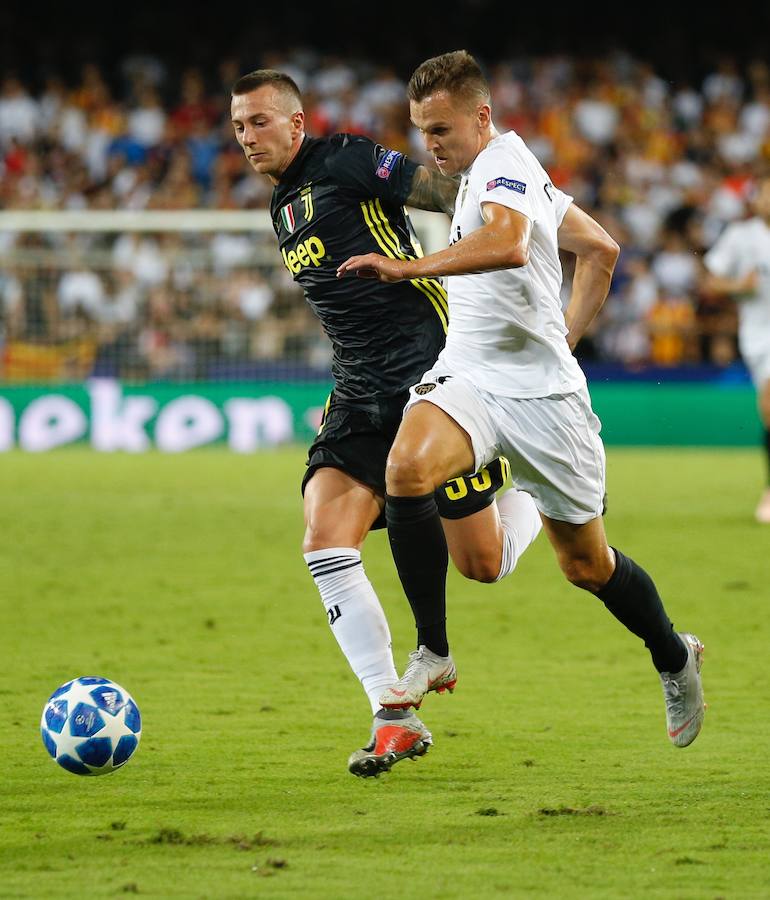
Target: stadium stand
[664,166]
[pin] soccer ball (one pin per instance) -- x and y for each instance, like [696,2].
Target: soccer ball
[91,726]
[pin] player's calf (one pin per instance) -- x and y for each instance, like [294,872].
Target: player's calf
[589,574]
[631,596]
[355,616]
[520,523]
[487,545]
[483,567]
[485,541]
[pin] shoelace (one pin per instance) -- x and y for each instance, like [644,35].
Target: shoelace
[415,660]
[673,692]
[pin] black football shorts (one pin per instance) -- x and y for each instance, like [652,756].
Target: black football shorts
[355,436]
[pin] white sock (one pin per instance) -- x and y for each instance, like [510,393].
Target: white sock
[521,524]
[355,616]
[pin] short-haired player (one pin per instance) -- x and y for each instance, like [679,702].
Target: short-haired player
[507,382]
[332,198]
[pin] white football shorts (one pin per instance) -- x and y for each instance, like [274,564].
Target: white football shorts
[552,443]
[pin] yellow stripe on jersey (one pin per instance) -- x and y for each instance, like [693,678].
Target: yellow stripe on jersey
[389,245]
[435,286]
[381,220]
[368,219]
[325,413]
[436,293]
[388,242]
[415,242]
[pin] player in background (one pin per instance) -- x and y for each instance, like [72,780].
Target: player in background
[334,197]
[507,382]
[738,266]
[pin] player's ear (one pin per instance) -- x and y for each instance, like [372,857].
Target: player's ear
[484,115]
[298,120]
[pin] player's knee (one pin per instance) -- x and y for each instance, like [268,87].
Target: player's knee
[584,573]
[319,537]
[484,568]
[407,475]
[312,541]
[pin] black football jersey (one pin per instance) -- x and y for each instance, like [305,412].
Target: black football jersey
[344,196]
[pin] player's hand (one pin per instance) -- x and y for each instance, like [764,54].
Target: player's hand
[372,265]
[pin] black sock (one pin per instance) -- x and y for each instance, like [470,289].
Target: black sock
[767,451]
[631,596]
[419,550]
[392,715]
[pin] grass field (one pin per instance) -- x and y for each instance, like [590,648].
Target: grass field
[551,775]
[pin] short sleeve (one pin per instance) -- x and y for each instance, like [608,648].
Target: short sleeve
[561,202]
[371,170]
[722,259]
[502,178]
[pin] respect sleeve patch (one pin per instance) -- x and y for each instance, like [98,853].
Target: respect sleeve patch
[519,186]
[387,163]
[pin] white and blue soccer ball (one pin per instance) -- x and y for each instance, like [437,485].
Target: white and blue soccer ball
[91,726]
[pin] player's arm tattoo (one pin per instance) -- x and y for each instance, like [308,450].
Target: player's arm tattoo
[433,191]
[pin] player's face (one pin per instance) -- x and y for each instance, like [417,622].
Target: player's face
[454,130]
[268,128]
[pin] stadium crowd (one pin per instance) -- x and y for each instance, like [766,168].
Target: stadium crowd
[664,166]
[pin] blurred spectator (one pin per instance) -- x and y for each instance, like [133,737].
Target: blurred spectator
[147,121]
[161,343]
[671,323]
[675,267]
[623,327]
[663,165]
[195,108]
[80,290]
[596,116]
[141,256]
[18,113]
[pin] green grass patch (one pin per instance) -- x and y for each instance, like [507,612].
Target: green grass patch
[181,578]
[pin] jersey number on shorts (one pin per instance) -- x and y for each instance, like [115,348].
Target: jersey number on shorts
[457,488]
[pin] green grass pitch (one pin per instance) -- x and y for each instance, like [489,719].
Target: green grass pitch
[551,776]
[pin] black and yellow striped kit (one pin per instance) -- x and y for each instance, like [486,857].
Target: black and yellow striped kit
[343,196]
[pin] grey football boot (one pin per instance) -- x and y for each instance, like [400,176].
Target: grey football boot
[425,672]
[393,738]
[683,693]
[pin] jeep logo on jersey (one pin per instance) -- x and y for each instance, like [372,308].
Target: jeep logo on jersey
[519,186]
[308,253]
[422,389]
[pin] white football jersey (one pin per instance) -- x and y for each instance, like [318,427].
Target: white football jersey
[506,328]
[741,248]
